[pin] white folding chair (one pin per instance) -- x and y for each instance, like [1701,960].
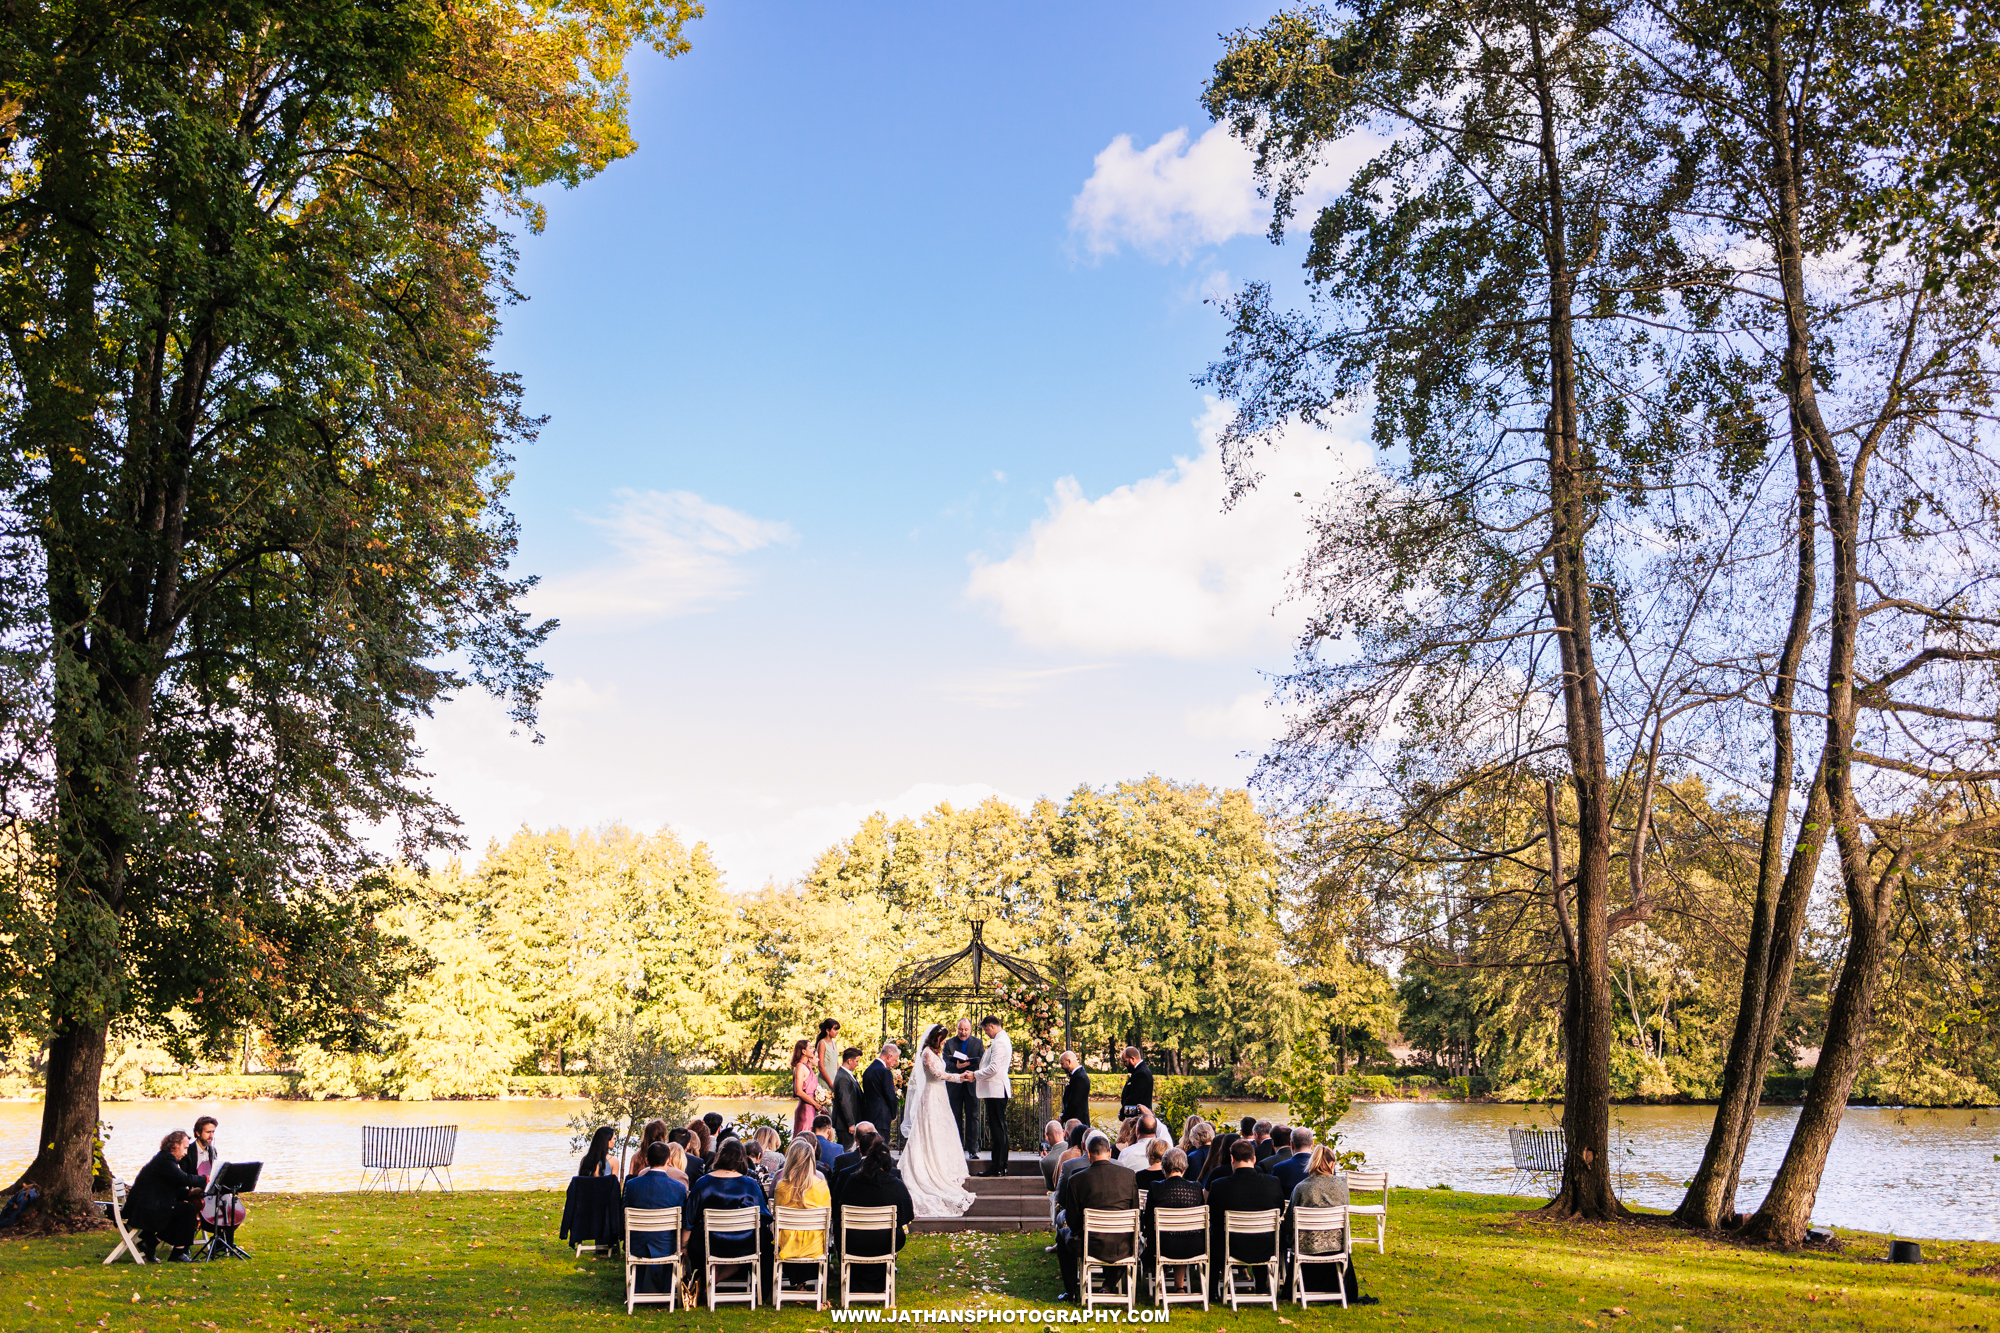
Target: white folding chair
[1308,1221]
[1180,1222]
[748,1288]
[127,1242]
[1371,1180]
[637,1222]
[867,1219]
[801,1219]
[1263,1223]
[1110,1224]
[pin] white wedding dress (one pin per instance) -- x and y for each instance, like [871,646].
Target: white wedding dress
[933,1162]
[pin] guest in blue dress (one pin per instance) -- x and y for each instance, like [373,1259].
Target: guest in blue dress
[655,1188]
[728,1185]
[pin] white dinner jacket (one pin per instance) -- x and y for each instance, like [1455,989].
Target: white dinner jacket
[990,1079]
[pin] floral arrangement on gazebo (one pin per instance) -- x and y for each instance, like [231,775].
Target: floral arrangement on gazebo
[1041,1012]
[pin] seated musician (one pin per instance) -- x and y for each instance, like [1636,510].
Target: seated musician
[654,1187]
[163,1201]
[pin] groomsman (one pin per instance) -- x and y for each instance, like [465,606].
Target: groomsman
[1076,1092]
[847,1096]
[878,1089]
[962,1054]
[1138,1084]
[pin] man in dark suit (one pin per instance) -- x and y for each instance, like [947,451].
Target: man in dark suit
[654,1188]
[962,1053]
[1076,1092]
[1244,1190]
[847,1096]
[874,1184]
[878,1091]
[827,1149]
[864,1134]
[1103,1184]
[1138,1084]
[1281,1148]
[1293,1169]
[162,1204]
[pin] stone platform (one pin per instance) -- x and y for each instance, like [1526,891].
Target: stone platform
[1016,1201]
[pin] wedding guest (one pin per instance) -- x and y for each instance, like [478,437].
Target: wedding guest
[1175,1190]
[714,1121]
[1153,1125]
[823,1145]
[1074,1158]
[701,1141]
[656,1132]
[653,1186]
[1200,1136]
[1130,1146]
[801,1186]
[1292,1170]
[1102,1184]
[847,1096]
[1053,1148]
[1156,1152]
[728,1185]
[845,1164]
[597,1159]
[805,1087]
[764,1146]
[1261,1133]
[677,1164]
[1216,1164]
[692,1161]
[164,1202]
[1138,1082]
[874,1184]
[1076,1089]
[1248,1129]
[1281,1149]
[1244,1190]
[1323,1186]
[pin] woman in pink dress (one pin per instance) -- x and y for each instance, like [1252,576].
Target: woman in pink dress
[805,1087]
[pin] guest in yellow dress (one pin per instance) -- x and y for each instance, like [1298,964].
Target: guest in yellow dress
[801,1186]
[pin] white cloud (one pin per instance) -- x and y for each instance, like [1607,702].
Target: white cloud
[1157,567]
[1174,197]
[1247,717]
[1008,687]
[678,553]
[784,848]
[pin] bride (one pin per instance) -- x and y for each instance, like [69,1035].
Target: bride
[933,1157]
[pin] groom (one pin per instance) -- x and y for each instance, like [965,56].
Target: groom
[993,1088]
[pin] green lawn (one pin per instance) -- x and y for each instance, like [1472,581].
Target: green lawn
[332,1261]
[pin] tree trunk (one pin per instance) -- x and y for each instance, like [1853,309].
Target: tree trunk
[1779,913]
[69,1125]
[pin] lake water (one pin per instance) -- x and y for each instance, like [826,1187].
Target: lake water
[1915,1173]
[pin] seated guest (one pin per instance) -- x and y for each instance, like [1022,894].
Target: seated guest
[1200,1135]
[718,1128]
[677,1164]
[1053,1147]
[702,1144]
[1244,1190]
[691,1160]
[1248,1129]
[1293,1169]
[1102,1184]
[1324,1186]
[164,1203]
[1156,1152]
[1216,1162]
[1261,1135]
[728,1185]
[764,1146]
[1175,1190]
[1281,1149]
[827,1147]
[597,1159]
[1128,1134]
[1073,1160]
[874,1184]
[656,1132]
[653,1186]
[864,1137]
[1145,1129]
[800,1185]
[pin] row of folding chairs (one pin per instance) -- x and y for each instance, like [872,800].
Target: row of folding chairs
[747,1289]
[1241,1278]
[1358,1183]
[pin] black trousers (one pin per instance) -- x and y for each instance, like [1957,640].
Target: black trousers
[964,1114]
[1069,1260]
[177,1230]
[996,1132]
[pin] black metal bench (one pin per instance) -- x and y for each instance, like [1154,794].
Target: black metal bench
[392,1156]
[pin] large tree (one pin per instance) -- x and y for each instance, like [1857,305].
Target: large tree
[256,449]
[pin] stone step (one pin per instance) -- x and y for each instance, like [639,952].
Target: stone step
[934,1226]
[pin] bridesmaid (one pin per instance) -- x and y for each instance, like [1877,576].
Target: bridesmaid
[805,1087]
[828,1052]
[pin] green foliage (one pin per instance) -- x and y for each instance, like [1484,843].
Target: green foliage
[752,1121]
[634,1077]
[1316,1097]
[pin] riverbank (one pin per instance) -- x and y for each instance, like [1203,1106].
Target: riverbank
[430,1263]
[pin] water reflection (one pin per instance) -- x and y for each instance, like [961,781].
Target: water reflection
[1918,1173]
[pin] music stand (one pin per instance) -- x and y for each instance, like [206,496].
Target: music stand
[230,1180]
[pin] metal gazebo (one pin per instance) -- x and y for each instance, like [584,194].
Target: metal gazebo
[965,978]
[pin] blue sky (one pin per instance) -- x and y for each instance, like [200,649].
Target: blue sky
[875,474]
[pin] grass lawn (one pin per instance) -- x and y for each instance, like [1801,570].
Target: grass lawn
[1455,1261]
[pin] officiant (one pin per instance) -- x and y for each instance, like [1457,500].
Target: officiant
[962,1054]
